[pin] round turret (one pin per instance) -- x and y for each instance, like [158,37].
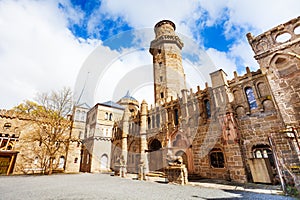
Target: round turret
[164,27]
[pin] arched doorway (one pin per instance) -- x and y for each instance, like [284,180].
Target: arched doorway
[184,157]
[262,165]
[61,163]
[115,155]
[155,155]
[263,151]
[104,162]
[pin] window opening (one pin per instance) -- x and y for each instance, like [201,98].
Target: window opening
[217,158]
[251,98]
[207,108]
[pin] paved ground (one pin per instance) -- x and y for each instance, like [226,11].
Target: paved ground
[103,186]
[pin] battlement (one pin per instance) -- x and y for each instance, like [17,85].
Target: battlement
[12,114]
[276,38]
[163,22]
[248,75]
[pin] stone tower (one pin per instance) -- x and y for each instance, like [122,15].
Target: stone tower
[278,54]
[169,77]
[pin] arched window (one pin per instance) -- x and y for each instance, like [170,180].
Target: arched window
[106,116]
[77,115]
[153,121]
[110,116]
[36,160]
[250,98]
[207,108]
[149,122]
[61,162]
[263,90]
[157,121]
[216,158]
[83,114]
[176,117]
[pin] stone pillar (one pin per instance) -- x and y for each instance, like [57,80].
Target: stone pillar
[142,173]
[125,132]
[143,135]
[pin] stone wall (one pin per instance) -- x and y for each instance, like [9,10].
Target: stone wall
[279,58]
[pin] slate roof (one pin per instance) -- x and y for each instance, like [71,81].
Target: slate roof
[113,105]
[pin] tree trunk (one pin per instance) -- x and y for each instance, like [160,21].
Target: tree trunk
[50,165]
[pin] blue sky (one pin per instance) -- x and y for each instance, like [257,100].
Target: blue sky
[111,26]
[45,43]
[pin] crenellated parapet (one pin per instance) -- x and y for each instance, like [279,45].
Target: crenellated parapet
[245,77]
[251,93]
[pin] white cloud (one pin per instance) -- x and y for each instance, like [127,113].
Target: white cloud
[241,17]
[222,60]
[132,70]
[262,15]
[37,51]
[142,14]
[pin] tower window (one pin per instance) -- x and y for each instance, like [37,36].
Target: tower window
[160,64]
[250,98]
[161,95]
[161,78]
[159,51]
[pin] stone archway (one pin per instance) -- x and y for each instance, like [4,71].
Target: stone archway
[133,157]
[262,166]
[155,155]
[184,157]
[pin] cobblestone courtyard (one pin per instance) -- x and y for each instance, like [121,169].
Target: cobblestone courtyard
[103,186]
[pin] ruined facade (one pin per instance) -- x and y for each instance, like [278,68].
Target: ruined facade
[226,130]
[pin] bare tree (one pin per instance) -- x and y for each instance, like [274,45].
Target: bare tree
[50,117]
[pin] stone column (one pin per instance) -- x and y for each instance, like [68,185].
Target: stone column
[143,135]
